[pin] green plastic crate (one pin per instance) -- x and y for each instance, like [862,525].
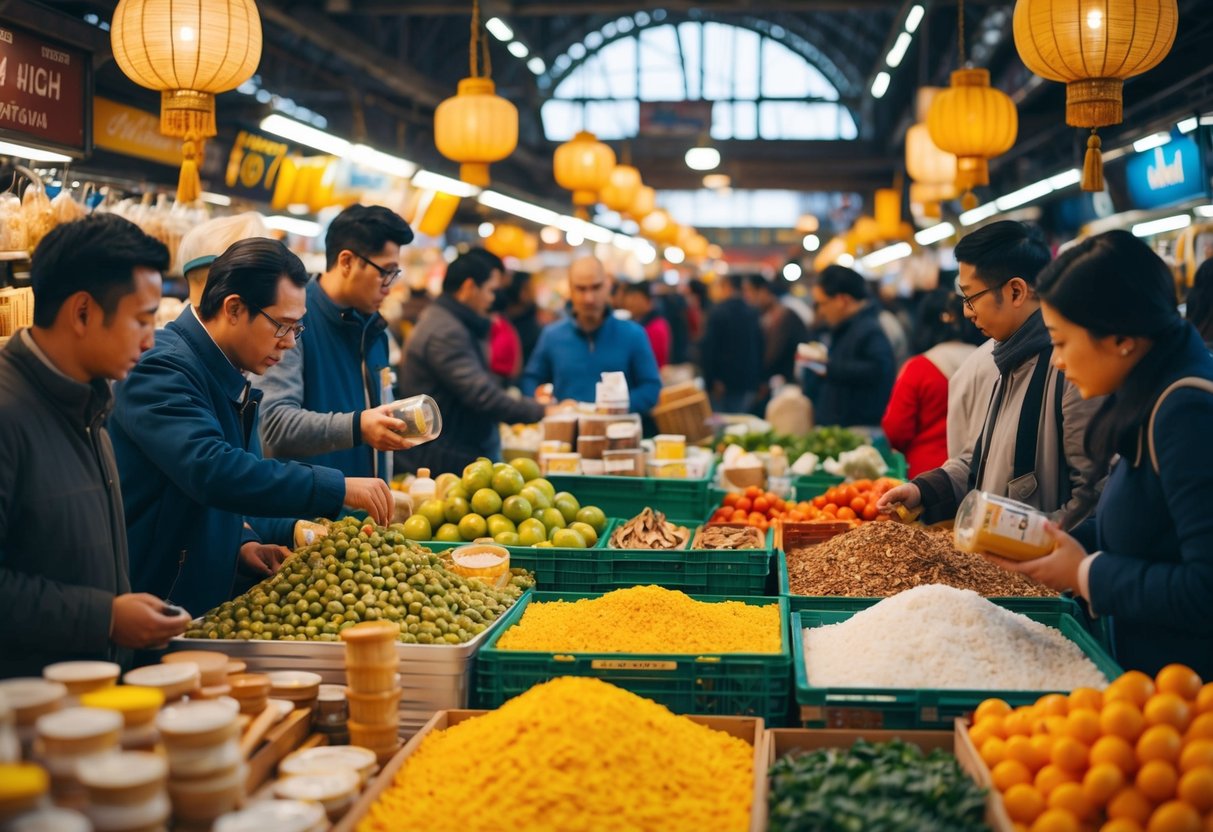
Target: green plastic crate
[721,684]
[926,708]
[703,571]
[628,496]
[572,570]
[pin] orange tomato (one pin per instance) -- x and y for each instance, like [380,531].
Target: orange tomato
[739,516]
[1023,803]
[1160,742]
[1070,754]
[1130,804]
[757,519]
[830,510]
[1132,685]
[796,516]
[1056,820]
[731,499]
[845,513]
[1053,704]
[1168,709]
[1070,797]
[870,513]
[1086,698]
[820,501]
[745,504]
[993,751]
[1021,750]
[1178,679]
[1196,754]
[1174,816]
[1201,727]
[1123,719]
[1157,780]
[780,505]
[1196,788]
[1115,751]
[1009,772]
[1050,777]
[1101,783]
[858,505]
[1083,725]
[753,491]
[1204,699]
[863,485]
[846,494]
[762,505]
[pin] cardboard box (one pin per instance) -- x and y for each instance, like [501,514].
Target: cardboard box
[749,729]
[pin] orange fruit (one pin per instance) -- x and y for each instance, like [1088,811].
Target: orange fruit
[991,707]
[1201,727]
[1116,751]
[1056,820]
[1196,788]
[1053,704]
[1174,816]
[1122,825]
[1204,699]
[1196,753]
[1157,780]
[993,751]
[1086,698]
[1023,803]
[1123,719]
[1101,783]
[1042,750]
[1130,804]
[1021,750]
[1083,725]
[1050,777]
[1168,709]
[978,735]
[1133,686]
[1160,742]
[1178,679]
[1055,725]
[1070,796]
[1070,754]
[1008,773]
[1018,722]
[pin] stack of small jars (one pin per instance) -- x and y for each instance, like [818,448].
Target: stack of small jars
[371,666]
[207,772]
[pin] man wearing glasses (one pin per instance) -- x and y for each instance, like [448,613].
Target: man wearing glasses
[327,401]
[1029,431]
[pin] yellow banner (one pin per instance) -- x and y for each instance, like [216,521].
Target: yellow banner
[133,132]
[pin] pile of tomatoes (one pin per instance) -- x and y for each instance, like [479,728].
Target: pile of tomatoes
[854,503]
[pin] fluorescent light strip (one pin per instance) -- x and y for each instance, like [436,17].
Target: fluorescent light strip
[303,134]
[437,182]
[1024,195]
[1065,179]
[981,212]
[536,66]
[845,259]
[1204,210]
[881,84]
[935,233]
[1206,120]
[886,255]
[893,59]
[499,29]
[1146,229]
[216,199]
[292,225]
[914,18]
[518,49]
[369,157]
[1151,142]
[32,153]
[1188,124]
[519,208]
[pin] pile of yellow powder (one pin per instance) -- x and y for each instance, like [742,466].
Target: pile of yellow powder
[572,754]
[645,619]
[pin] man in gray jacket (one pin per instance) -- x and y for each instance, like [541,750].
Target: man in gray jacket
[64,581]
[1031,445]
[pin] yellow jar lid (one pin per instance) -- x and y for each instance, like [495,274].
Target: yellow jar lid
[124,699]
[22,781]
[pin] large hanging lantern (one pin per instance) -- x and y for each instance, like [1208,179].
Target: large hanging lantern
[644,204]
[189,50]
[656,225]
[929,166]
[583,165]
[887,207]
[509,240]
[928,196]
[621,188]
[1093,46]
[477,127]
[975,122]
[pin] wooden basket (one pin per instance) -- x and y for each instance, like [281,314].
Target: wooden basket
[683,409]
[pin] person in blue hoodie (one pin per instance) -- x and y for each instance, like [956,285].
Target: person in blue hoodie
[1145,559]
[184,430]
[328,401]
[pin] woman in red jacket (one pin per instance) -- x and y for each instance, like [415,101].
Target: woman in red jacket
[916,420]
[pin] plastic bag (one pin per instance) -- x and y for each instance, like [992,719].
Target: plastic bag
[13,232]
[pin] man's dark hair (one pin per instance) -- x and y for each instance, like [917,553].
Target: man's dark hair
[251,269]
[466,267]
[1004,250]
[639,288]
[488,256]
[757,281]
[839,280]
[98,255]
[734,280]
[364,230]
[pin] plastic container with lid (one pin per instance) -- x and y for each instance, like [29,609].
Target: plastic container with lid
[204,799]
[423,487]
[298,686]
[335,791]
[212,665]
[486,561]
[276,815]
[375,708]
[173,680]
[75,732]
[23,788]
[325,759]
[372,678]
[1001,526]
[668,469]
[129,778]
[251,690]
[138,706]
[152,814]
[332,706]
[421,416]
[197,725]
[562,463]
[670,446]
[204,761]
[10,747]
[49,819]
[82,677]
[371,643]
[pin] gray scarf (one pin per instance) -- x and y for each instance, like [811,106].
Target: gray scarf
[1029,340]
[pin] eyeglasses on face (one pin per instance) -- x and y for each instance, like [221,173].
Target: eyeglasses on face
[968,299]
[389,276]
[282,329]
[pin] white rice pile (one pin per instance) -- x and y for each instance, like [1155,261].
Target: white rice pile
[935,636]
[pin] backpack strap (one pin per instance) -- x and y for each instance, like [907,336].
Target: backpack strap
[1065,487]
[1190,381]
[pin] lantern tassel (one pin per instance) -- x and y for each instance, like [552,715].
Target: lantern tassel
[969,201]
[189,185]
[1092,166]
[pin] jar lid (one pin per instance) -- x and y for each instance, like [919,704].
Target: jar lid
[124,699]
[371,631]
[195,717]
[296,679]
[78,723]
[122,770]
[50,819]
[280,815]
[327,759]
[320,787]
[31,692]
[68,672]
[22,781]
[332,693]
[206,660]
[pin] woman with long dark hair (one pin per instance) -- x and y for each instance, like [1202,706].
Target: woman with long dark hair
[1146,557]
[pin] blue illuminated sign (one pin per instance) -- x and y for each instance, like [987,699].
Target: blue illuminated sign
[1167,175]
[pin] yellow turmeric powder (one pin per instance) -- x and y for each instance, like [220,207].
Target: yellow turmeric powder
[646,619]
[572,754]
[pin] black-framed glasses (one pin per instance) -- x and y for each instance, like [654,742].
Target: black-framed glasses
[968,299]
[282,329]
[389,276]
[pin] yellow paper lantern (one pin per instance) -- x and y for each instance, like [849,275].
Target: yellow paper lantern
[436,213]
[1092,46]
[807,224]
[887,206]
[696,247]
[504,240]
[644,203]
[975,122]
[583,165]
[656,224]
[476,128]
[188,50]
[925,162]
[621,189]
[929,196]
[864,232]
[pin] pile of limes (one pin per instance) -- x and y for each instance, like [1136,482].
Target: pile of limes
[509,502]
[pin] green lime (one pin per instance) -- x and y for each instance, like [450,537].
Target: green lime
[568,506]
[594,517]
[454,509]
[537,498]
[434,511]
[486,502]
[449,533]
[477,475]
[568,539]
[552,519]
[499,523]
[418,527]
[507,481]
[517,508]
[529,468]
[531,532]
[472,526]
[544,544]
[507,539]
[444,482]
[586,531]
[500,466]
[457,490]
[543,485]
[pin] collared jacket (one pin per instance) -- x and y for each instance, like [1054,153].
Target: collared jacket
[62,534]
[446,358]
[859,373]
[185,434]
[315,396]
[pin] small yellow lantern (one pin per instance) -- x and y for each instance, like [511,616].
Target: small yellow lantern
[929,196]
[621,189]
[476,128]
[1093,46]
[436,212]
[864,232]
[887,206]
[696,247]
[189,50]
[644,203]
[975,122]
[583,165]
[504,240]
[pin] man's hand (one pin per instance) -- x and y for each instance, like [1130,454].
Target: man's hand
[261,558]
[382,431]
[908,494]
[138,622]
[544,394]
[372,495]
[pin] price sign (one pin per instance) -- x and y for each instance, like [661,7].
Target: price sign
[44,92]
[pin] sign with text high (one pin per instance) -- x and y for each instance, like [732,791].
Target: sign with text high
[45,92]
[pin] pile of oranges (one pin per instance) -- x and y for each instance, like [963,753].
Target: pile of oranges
[1136,757]
[854,503]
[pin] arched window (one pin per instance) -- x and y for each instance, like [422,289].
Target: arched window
[760,88]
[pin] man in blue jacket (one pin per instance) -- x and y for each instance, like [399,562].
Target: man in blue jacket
[327,401]
[574,353]
[185,435]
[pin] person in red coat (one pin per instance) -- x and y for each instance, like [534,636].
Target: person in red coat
[916,419]
[638,300]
